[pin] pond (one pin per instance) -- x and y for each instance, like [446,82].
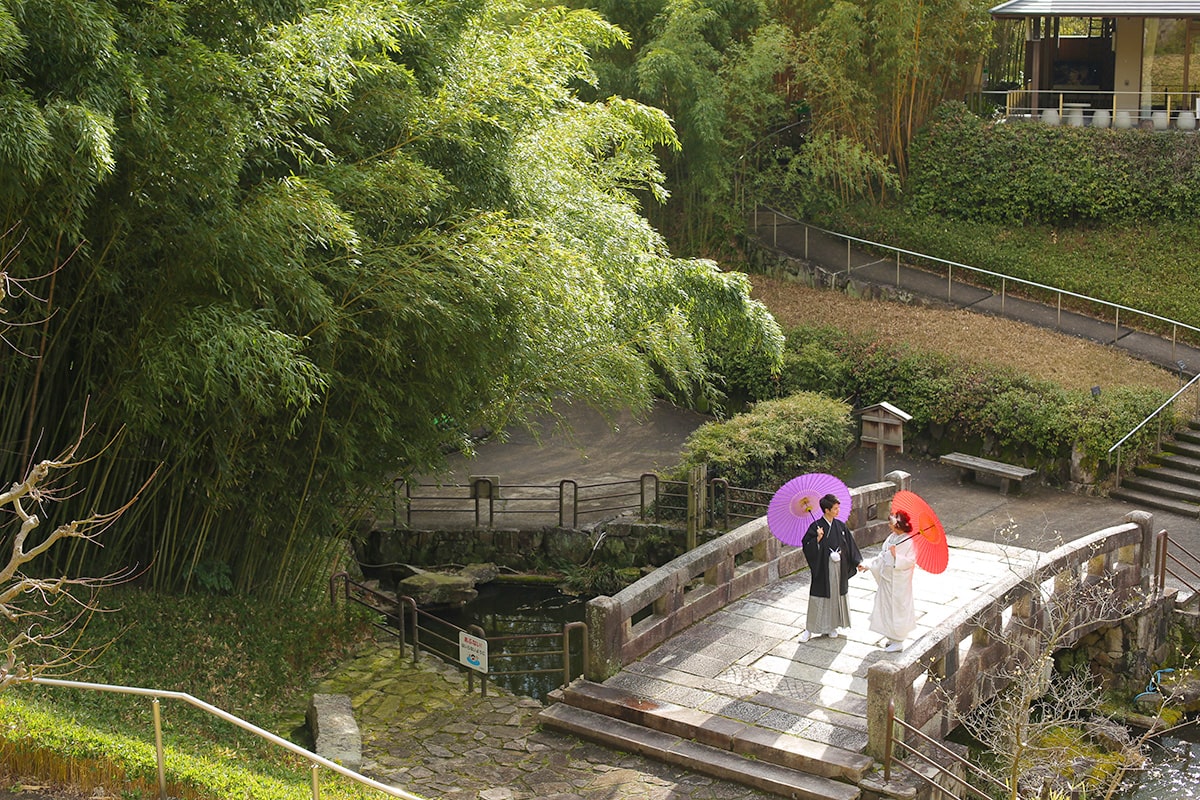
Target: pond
[520,610]
[1174,769]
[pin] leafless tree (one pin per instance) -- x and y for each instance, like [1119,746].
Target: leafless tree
[1044,729]
[44,616]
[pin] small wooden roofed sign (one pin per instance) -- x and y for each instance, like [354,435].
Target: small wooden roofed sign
[883,429]
[883,424]
[1021,9]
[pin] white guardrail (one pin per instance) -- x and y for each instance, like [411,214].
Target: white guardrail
[314,760]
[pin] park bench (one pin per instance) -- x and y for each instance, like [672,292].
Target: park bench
[969,466]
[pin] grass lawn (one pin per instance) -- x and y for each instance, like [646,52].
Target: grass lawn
[251,660]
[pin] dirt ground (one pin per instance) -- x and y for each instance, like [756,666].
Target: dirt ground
[1066,360]
[12,788]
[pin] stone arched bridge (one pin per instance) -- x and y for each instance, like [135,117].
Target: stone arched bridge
[699,663]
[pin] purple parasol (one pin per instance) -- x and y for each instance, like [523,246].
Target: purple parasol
[798,503]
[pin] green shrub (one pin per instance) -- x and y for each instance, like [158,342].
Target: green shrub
[774,441]
[1012,172]
[808,366]
[987,409]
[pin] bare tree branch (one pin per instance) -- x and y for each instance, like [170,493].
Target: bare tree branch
[47,616]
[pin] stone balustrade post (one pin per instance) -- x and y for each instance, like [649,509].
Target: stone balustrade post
[1145,521]
[605,630]
[882,681]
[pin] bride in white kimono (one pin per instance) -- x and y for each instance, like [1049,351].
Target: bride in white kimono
[893,615]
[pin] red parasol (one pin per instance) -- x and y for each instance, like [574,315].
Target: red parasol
[929,537]
[798,502]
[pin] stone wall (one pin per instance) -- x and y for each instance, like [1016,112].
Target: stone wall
[619,543]
[1124,656]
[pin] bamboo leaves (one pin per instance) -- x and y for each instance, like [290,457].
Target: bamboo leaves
[325,244]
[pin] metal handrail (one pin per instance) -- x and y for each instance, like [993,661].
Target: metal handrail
[730,496]
[559,501]
[1141,424]
[1155,413]
[1004,279]
[410,611]
[889,758]
[981,271]
[1164,558]
[314,760]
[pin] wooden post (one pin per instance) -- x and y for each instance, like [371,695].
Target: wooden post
[697,495]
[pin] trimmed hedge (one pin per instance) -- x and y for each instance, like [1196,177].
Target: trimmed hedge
[977,408]
[774,441]
[964,167]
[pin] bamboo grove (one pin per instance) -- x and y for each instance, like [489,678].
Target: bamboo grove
[808,104]
[283,252]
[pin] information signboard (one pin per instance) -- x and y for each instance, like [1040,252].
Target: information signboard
[472,651]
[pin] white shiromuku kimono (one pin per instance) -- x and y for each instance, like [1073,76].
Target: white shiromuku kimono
[893,615]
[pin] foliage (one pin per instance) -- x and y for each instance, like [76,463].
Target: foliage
[815,102]
[773,441]
[45,618]
[1127,264]
[987,409]
[598,579]
[313,247]
[1001,411]
[966,168]
[1045,727]
[251,660]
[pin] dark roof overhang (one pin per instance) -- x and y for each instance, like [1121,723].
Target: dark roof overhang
[1022,9]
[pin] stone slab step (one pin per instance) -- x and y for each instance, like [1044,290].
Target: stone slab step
[1182,447]
[1179,462]
[764,744]
[1162,488]
[1171,475]
[627,736]
[1146,500]
[1190,434]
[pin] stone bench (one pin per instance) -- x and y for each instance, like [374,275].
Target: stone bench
[1010,475]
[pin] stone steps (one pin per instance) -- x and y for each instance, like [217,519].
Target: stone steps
[1172,482]
[695,756]
[709,743]
[1151,500]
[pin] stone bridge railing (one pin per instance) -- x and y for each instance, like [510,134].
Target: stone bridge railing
[962,662]
[626,626]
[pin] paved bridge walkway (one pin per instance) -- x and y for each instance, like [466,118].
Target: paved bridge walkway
[743,673]
[700,663]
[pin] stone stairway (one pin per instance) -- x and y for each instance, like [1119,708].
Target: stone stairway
[1172,481]
[715,745]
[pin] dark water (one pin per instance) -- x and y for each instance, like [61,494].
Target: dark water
[504,610]
[1174,769]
